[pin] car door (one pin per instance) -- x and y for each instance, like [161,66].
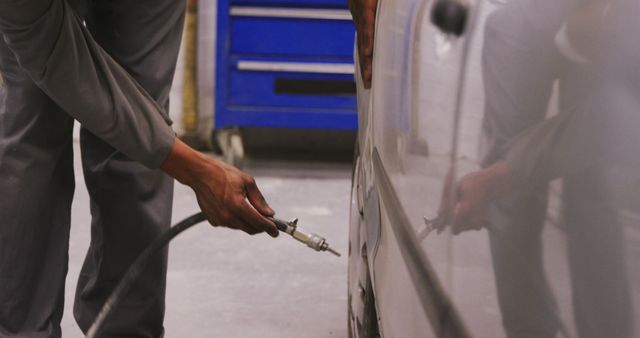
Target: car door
[417,71]
[529,271]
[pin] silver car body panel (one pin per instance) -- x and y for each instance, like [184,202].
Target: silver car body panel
[422,117]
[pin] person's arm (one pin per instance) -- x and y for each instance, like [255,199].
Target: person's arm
[556,147]
[52,45]
[54,48]
[364,18]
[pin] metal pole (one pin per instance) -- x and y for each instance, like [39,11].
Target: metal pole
[190,119]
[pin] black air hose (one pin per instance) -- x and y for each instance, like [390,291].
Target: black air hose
[137,267]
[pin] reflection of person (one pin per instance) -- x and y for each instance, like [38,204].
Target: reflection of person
[112,75]
[525,151]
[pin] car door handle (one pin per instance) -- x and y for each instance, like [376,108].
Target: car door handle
[450,16]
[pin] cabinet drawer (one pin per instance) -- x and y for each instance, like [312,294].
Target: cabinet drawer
[298,3]
[291,31]
[292,85]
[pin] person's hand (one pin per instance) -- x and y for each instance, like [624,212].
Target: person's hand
[226,195]
[231,198]
[364,18]
[473,195]
[467,208]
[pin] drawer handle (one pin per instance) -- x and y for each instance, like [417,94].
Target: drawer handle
[314,87]
[293,13]
[297,67]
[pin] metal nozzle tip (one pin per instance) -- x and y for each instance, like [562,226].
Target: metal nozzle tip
[333,252]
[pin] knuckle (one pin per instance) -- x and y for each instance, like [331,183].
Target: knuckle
[238,205]
[251,181]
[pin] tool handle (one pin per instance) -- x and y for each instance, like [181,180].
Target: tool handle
[280,224]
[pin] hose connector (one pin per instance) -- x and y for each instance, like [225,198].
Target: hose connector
[314,241]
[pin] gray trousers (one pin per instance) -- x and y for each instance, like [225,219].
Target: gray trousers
[130,203]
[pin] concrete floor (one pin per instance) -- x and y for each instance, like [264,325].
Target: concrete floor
[223,283]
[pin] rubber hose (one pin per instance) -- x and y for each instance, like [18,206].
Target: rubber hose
[137,267]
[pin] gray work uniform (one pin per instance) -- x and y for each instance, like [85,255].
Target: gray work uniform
[520,65]
[113,76]
[518,84]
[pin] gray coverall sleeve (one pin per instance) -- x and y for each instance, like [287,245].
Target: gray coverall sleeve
[556,147]
[52,45]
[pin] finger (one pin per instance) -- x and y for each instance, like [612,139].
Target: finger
[460,217]
[365,67]
[256,198]
[361,54]
[448,208]
[367,47]
[458,191]
[234,223]
[469,224]
[483,224]
[253,218]
[445,214]
[359,36]
[239,224]
[477,225]
[368,31]
[367,72]
[466,219]
[477,222]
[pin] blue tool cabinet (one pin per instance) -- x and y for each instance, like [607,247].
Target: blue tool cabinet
[285,63]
